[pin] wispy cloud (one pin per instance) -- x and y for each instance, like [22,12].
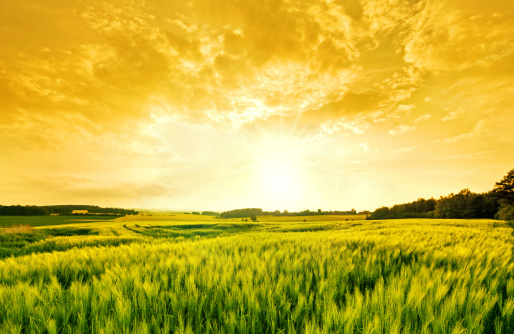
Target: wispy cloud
[479,129]
[452,115]
[423,118]
[401,129]
[405,149]
[364,147]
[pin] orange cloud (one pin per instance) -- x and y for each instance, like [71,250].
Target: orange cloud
[160,90]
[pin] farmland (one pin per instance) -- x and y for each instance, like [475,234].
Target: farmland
[196,274]
[6,221]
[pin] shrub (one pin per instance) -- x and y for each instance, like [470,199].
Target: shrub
[506,212]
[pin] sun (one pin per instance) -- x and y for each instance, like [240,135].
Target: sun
[279,166]
[276,176]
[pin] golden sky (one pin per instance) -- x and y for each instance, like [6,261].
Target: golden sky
[223,104]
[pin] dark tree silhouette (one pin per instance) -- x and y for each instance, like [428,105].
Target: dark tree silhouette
[32,210]
[241,213]
[504,192]
[465,204]
[504,189]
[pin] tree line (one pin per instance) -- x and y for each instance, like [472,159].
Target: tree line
[241,213]
[497,203]
[209,213]
[314,213]
[244,213]
[33,210]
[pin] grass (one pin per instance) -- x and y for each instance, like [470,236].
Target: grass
[224,276]
[9,221]
[19,229]
[180,217]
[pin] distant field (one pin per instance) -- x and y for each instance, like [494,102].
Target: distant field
[182,275]
[315,218]
[6,221]
[166,217]
[269,218]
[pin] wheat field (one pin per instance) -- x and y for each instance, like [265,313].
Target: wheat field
[217,276]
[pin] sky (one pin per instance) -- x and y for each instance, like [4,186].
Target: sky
[225,104]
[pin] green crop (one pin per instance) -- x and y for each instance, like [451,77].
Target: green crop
[401,276]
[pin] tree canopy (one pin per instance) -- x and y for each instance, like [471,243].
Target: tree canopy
[497,203]
[504,189]
[33,210]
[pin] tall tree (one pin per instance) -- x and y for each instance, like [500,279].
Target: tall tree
[504,189]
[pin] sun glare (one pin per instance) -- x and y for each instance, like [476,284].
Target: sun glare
[280,167]
[276,176]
